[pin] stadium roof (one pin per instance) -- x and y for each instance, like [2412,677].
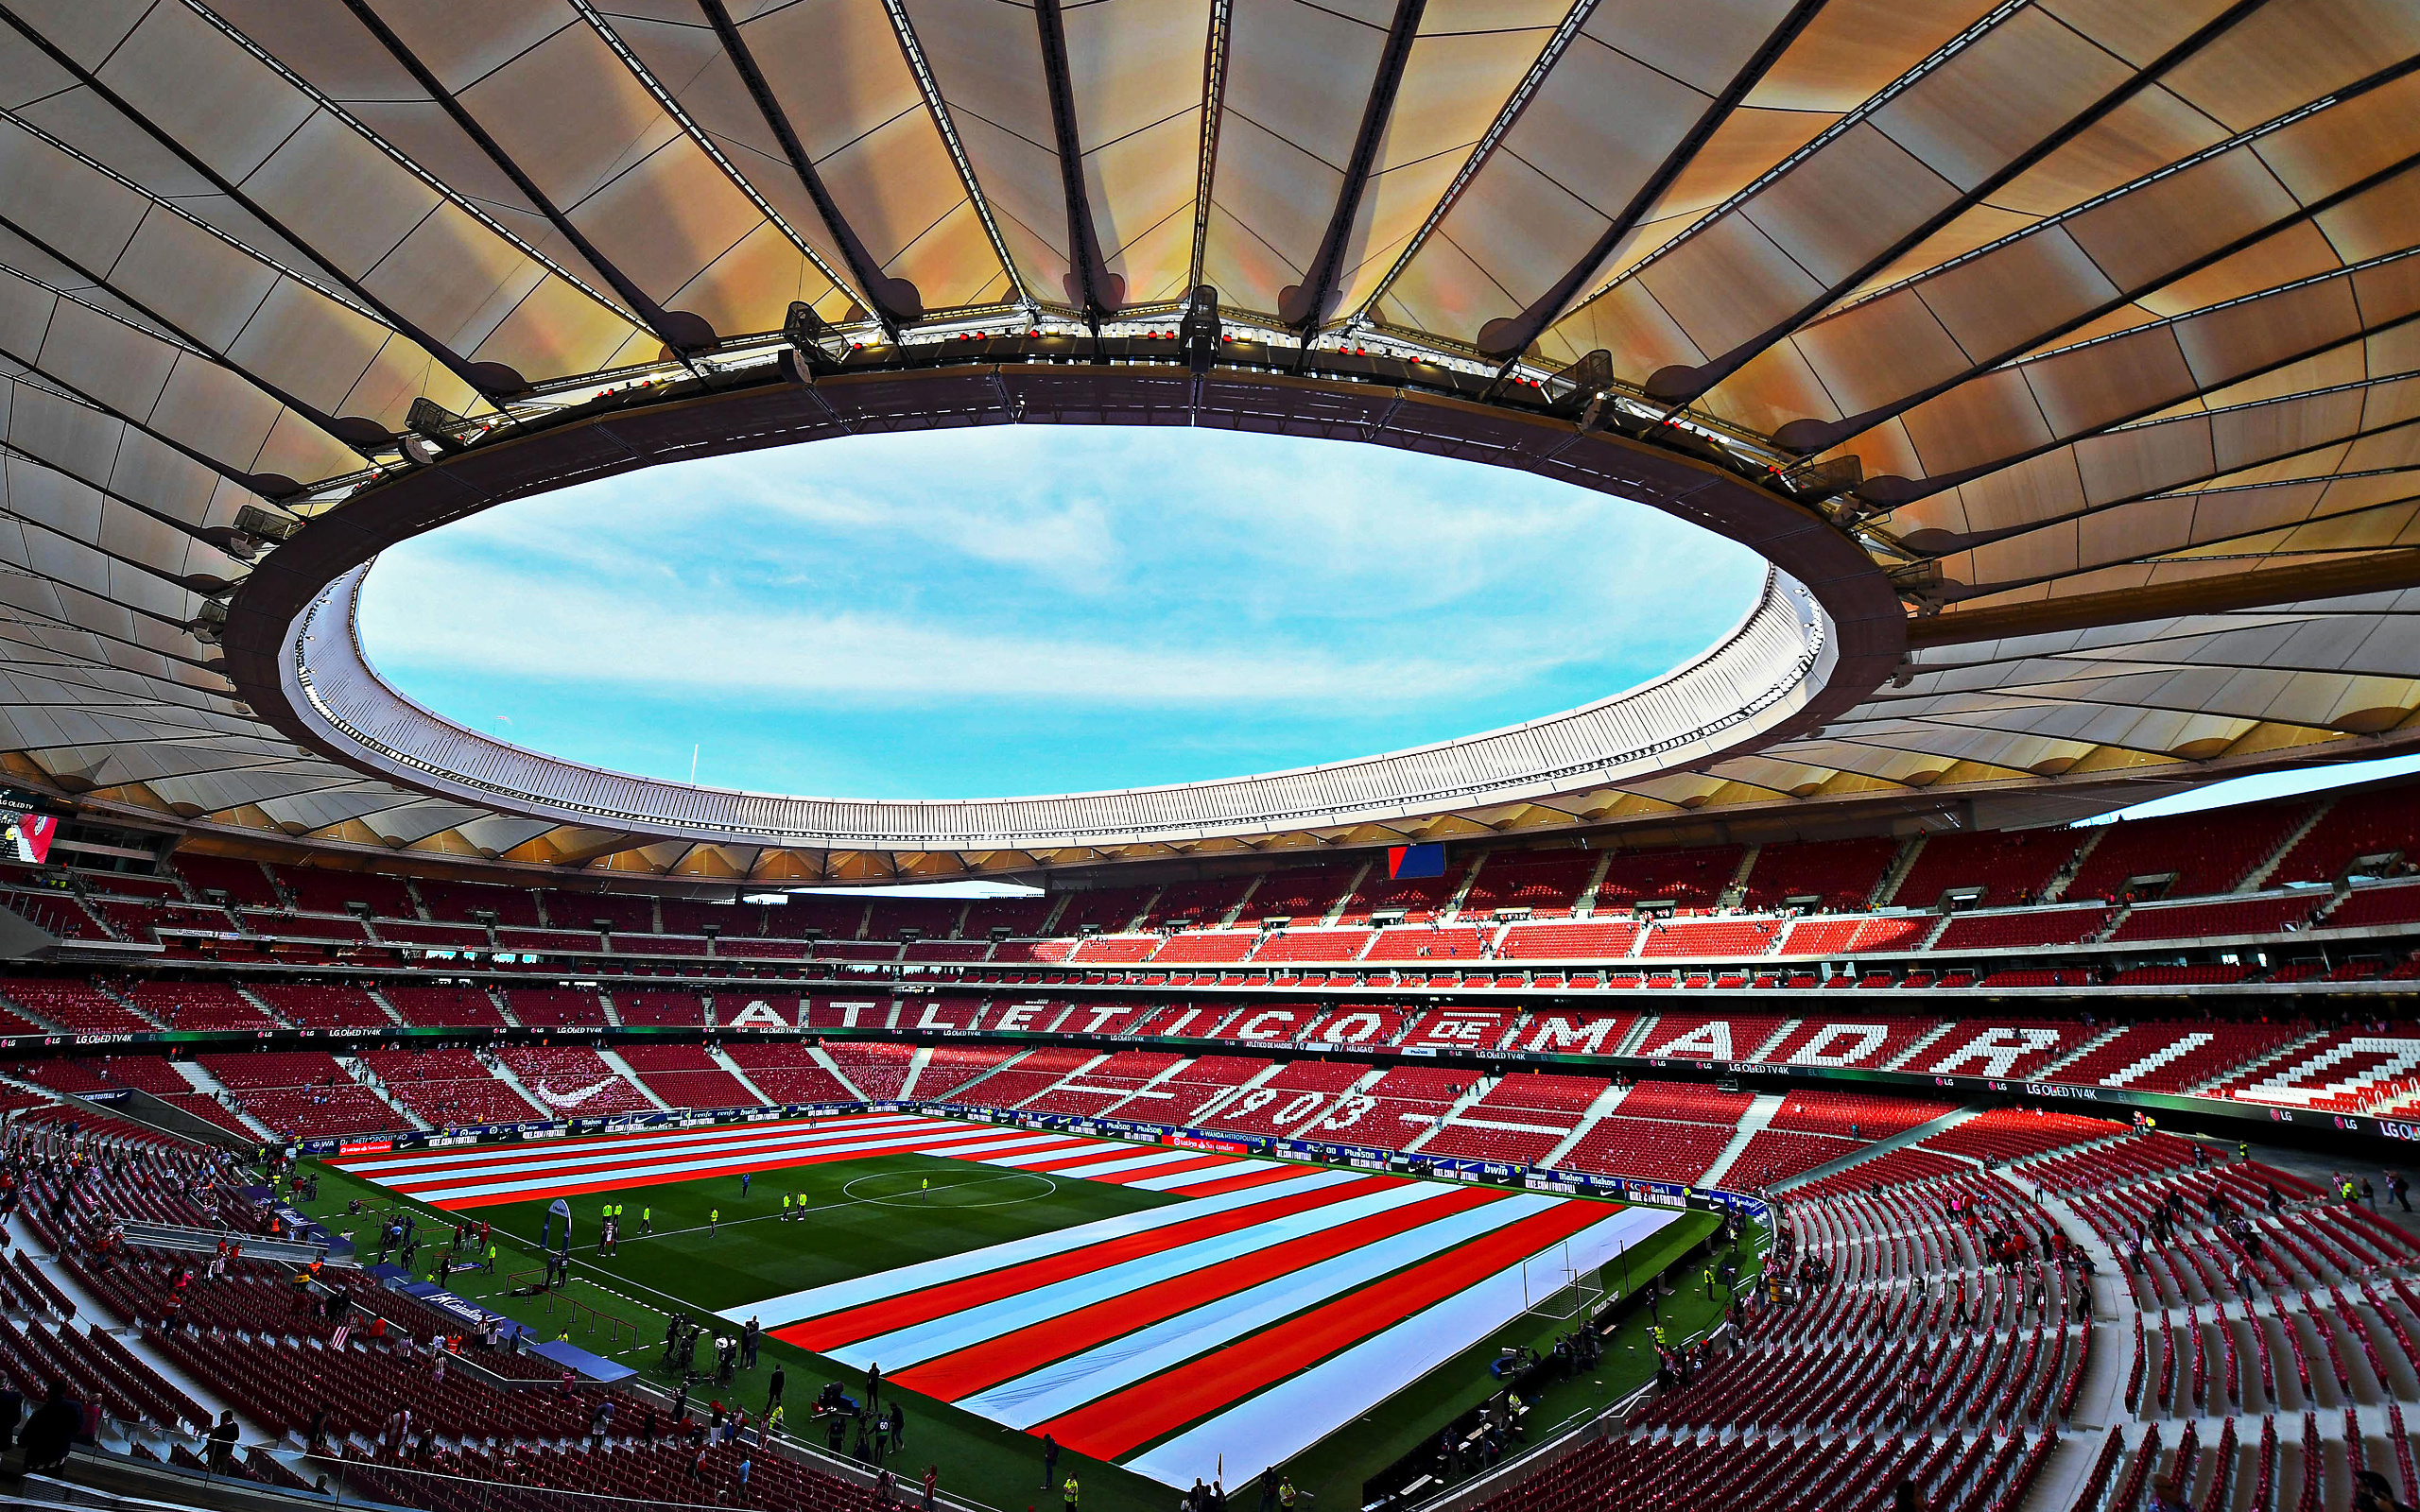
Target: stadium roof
[2061,355]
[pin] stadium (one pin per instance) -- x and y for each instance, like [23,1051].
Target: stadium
[1791,1073]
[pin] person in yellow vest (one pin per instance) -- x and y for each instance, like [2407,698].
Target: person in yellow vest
[785,1206]
[1286,1495]
[1067,1491]
[714,1217]
[647,1220]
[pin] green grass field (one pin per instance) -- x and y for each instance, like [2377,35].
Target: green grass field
[883,1211]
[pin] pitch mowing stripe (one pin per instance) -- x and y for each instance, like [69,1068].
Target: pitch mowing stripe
[953,1377]
[1154,1349]
[1196,1164]
[1069,1150]
[988,1275]
[1178,1180]
[1109,1160]
[1237,1183]
[537,1173]
[1101,1282]
[570,1184]
[1280,1422]
[634,1151]
[536,1150]
[837,1296]
[1121,1423]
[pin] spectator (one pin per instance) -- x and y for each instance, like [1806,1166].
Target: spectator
[222,1442]
[52,1429]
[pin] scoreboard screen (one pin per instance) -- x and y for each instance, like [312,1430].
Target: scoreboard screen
[24,835]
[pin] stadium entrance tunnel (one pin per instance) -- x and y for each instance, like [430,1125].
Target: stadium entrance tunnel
[1824,630]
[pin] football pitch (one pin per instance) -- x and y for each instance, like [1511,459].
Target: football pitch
[1160,1312]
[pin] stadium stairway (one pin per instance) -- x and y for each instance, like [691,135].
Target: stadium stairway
[1758,1118]
[840,1074]
[355,1068]
[90,1309]
[2259,876]
[1166,1074]
[210,1087]
[627,1073]
[1881,1147]
[2056,889]
[731,1067]
[1896,874]
[1462,1105]
[506,1075]
[1606,1102]
[947,1094]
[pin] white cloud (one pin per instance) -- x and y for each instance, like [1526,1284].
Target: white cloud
[1231,596]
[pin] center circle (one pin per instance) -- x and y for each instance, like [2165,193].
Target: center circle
[907,1189]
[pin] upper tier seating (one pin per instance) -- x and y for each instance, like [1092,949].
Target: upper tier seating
[2012,930]
[1841,875]
[198,1006]
[244,882]
[892,918]
[1095,949]
[1457,941]
[1109,910]
[813,914]
[318,890]
[661,1010]
[1855,937]
[445,1006]
[599,911]
[2381,822]
[1215,945]
[1711,939]
[1548,885]
[1418,898]
[1195,903]
[1595,940]
[1685,878]
[2011,866]
[464,903]
[2371,907]
[556,1007]
[1309,945]
[313,1005]
[2249,916]
[2209,851]
[1018,916]
[1305,896]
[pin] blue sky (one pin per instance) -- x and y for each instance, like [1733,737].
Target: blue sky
[1039,610]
